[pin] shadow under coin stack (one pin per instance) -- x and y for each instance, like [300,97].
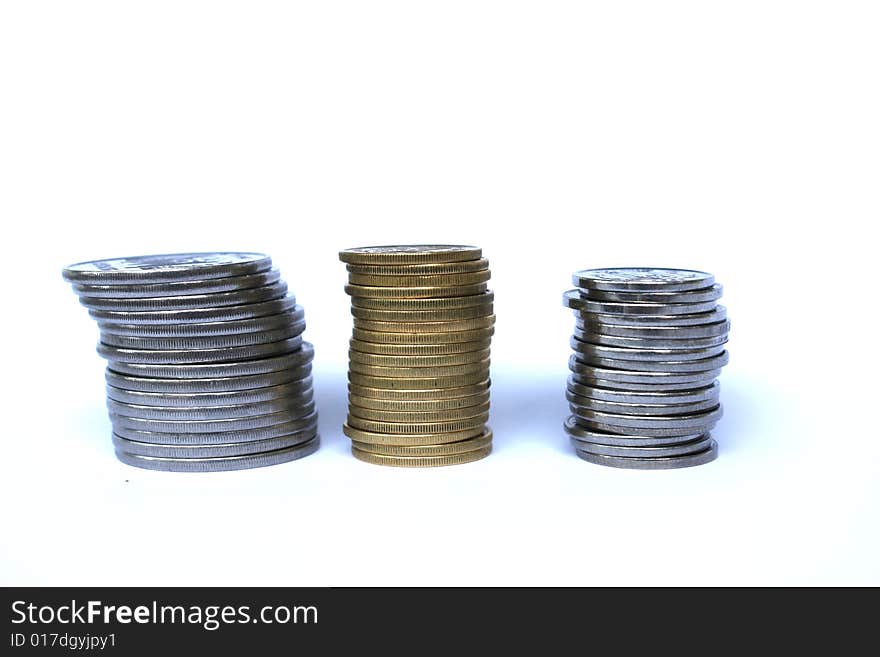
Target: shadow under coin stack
[419,357]
[207,366]
[648,347]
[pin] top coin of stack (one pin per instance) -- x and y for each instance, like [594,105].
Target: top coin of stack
[648,346]
[419,354]
[207,366]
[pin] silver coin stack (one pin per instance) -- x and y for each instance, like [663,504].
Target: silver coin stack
[207,368]
[648,346]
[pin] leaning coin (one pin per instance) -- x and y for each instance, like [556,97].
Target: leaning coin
[655,463]
[428,269]
[670,333]
[584,318]
[192,399]
[306,423]
[190,301]
[383,337]
[198,315]
[442,360]
[652,386]
[576,432]
[221,463]
[207,384]
[421,461]
[209,451]
[385,438]
[409,428]
[417,405]
[418,417]
[415,280]
[694,296]
[450,314]
[579,403]
[642,279]
[573,299]
[212,370]
[207,286]
[667,366]
[419,394]
[588,349]
[699,420]
[297,403]
[207,329]
[473,324]
[409,254]
[375,292]
[192,356]
[208,426]
[648,343]
[460,447]
[204,342]
[707,393]
[690,379]
[477,366]
[417,383]
[166,268]
[468,301]
[419,350]
[679,449]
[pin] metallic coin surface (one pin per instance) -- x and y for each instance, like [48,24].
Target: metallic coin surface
[701,295]
[192,356]
[642,279]
[653,463]
[577,432]
[706,393]
[210,451]
[207,286]
[421,461]
[442,360]
[573,299]
[189,302]
[417,417]
[166,268]
[417,405]
[190,400]
[597,338]
[477,366]
[427,269]
[419,394]
[480,442]
[451,314]
[402,350]
[221,463]
[718,314]
[666,366]
[211,426]
[208,384]
[204,342]
[295,403]
[197,315]
[421,439]
[588,351]
[206,329]
[415,280]
[696,331]
[579,403]
[375,292]
[656,451]
[417,383]
[383,337]
[305,423]
[409,254]
[651,386]
[467,301]
[409,428]
[472,324]
[689,379]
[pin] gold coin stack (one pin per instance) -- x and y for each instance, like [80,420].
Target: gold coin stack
[418,376]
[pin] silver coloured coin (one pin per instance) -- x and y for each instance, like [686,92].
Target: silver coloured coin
[306,423]
[221,463]
[689,422]
[666,366]
[689,379]
[694,296]
[655,463]
[191,400]
[197,356]
[695,331]
[579,403]
[651,386]
[211,451]
[195,316]
[208,384]
[707,393]
[189,302]
[206,329]
[208,286]
[590,351]
[213,370]
[204,342]
[573,299]
[645,452]
[293,403]
[719,314]
[166,268]
[576,432]
[209,426]
[595,337]
[626,279]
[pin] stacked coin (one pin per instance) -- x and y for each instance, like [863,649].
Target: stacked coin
[648,347]
[419,356]
[207,368]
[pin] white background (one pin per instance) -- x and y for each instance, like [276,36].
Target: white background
[737,137]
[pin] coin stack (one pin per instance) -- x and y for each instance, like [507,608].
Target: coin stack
[648,347]
[419,357]
[207,368]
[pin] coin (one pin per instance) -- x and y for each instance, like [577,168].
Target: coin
[166,268]
[213,370]
[574,300]
[383,337]
[449,314]
[204,342]
[192,399]
[627,408]
[375,292]
[706,393]
[651,386]
[692,332]
[417,383]
[207,384]
[417,405]
[207,286]
[442,360]
[210,426]
[598,338]
[718,314]
[426,327]
[576,432]
[305,423]
[415,280]
[690,379]
[428,269]
[210,451]
[417,417]
[192,356]
[221,463]
[700,420]
[653,463]
[419,394]
[623,279]
[701,295]
[423,439]
[421,461]
[480,442]
[197,315]
[477,366]
[295,403]
[206,329]
[400,350]
[188,302]
[658,451]
[446,303]
[409,254]
[666,366]
[588,351]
